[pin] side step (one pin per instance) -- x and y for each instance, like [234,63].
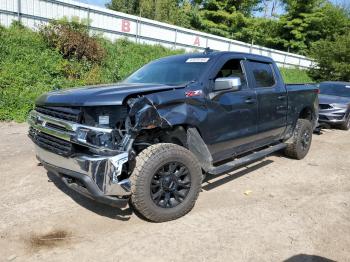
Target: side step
[246,159]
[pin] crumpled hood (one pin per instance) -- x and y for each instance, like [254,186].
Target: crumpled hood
[99,95]
[327,99]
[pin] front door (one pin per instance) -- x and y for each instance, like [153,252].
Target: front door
[232,115]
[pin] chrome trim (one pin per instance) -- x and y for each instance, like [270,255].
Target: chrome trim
[66,130]
[104,171]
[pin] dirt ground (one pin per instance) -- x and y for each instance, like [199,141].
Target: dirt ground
[276,209]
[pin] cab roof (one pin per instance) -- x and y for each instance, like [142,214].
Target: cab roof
[219,54]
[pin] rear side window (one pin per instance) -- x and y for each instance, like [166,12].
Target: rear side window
[263,74]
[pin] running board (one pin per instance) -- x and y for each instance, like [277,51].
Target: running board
[246,159]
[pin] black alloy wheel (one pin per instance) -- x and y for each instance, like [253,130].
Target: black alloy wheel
[170,185]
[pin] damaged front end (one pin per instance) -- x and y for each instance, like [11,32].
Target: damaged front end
[92,155]
[91,160]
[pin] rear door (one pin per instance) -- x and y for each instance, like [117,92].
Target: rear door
[272,101]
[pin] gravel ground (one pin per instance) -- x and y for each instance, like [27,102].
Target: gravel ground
[276,209]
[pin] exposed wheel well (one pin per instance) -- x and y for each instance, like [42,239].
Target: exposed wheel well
[175,135]
[306,113]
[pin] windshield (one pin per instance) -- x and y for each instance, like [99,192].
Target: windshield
[335,89]
[169,72]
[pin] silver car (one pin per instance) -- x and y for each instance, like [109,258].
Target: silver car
[335,104]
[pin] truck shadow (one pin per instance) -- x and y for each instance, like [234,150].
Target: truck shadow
[125,214]
[98,208]
[228,177]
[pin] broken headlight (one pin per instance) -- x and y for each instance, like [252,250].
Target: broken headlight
[96,138]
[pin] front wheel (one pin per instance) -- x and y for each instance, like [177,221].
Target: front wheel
[346,124]
[166,182]
[300,142]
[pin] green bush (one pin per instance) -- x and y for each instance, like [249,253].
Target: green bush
[333,59]
[72,40]
[29,67]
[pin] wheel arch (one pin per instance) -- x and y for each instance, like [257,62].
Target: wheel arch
[306,113]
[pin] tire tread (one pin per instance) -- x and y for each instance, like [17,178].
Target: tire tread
[151,153]
[292,149]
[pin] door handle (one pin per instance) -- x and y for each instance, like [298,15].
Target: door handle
[250,101]
[281,97]
[281,107]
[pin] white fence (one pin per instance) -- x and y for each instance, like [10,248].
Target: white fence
[115,25]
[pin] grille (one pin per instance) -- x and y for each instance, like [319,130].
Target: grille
[53,144]
[325,106]
[65,113]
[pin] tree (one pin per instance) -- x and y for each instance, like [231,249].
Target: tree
[169,11]
[308,21]
[125,6]
[262,31]
[222,17]
[246,7]
[333,59]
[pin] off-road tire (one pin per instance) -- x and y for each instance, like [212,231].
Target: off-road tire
[148,162]
[295,148]
[346,125]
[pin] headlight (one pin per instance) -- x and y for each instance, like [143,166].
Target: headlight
[95,137]
[342,106]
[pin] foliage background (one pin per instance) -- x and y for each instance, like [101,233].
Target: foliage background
[316,28]
[288,25]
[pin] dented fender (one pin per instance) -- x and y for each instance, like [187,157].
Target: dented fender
[151,111]
[166,110]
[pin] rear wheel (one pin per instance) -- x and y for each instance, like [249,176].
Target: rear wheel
[166,182]
[301,140]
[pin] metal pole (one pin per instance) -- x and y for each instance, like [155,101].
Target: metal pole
[175,41]
[88,19]
[19,10]
[137,29]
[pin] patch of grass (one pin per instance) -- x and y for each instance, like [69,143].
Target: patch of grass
[293,75]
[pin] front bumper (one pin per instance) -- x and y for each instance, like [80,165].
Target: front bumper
[97,173]
[333,116]
[93,176]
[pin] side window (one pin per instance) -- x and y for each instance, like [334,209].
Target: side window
[263,74]
[233,68]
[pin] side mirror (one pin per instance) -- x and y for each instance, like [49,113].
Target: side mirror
[225,83]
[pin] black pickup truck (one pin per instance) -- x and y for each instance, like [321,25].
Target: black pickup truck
[151,139]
